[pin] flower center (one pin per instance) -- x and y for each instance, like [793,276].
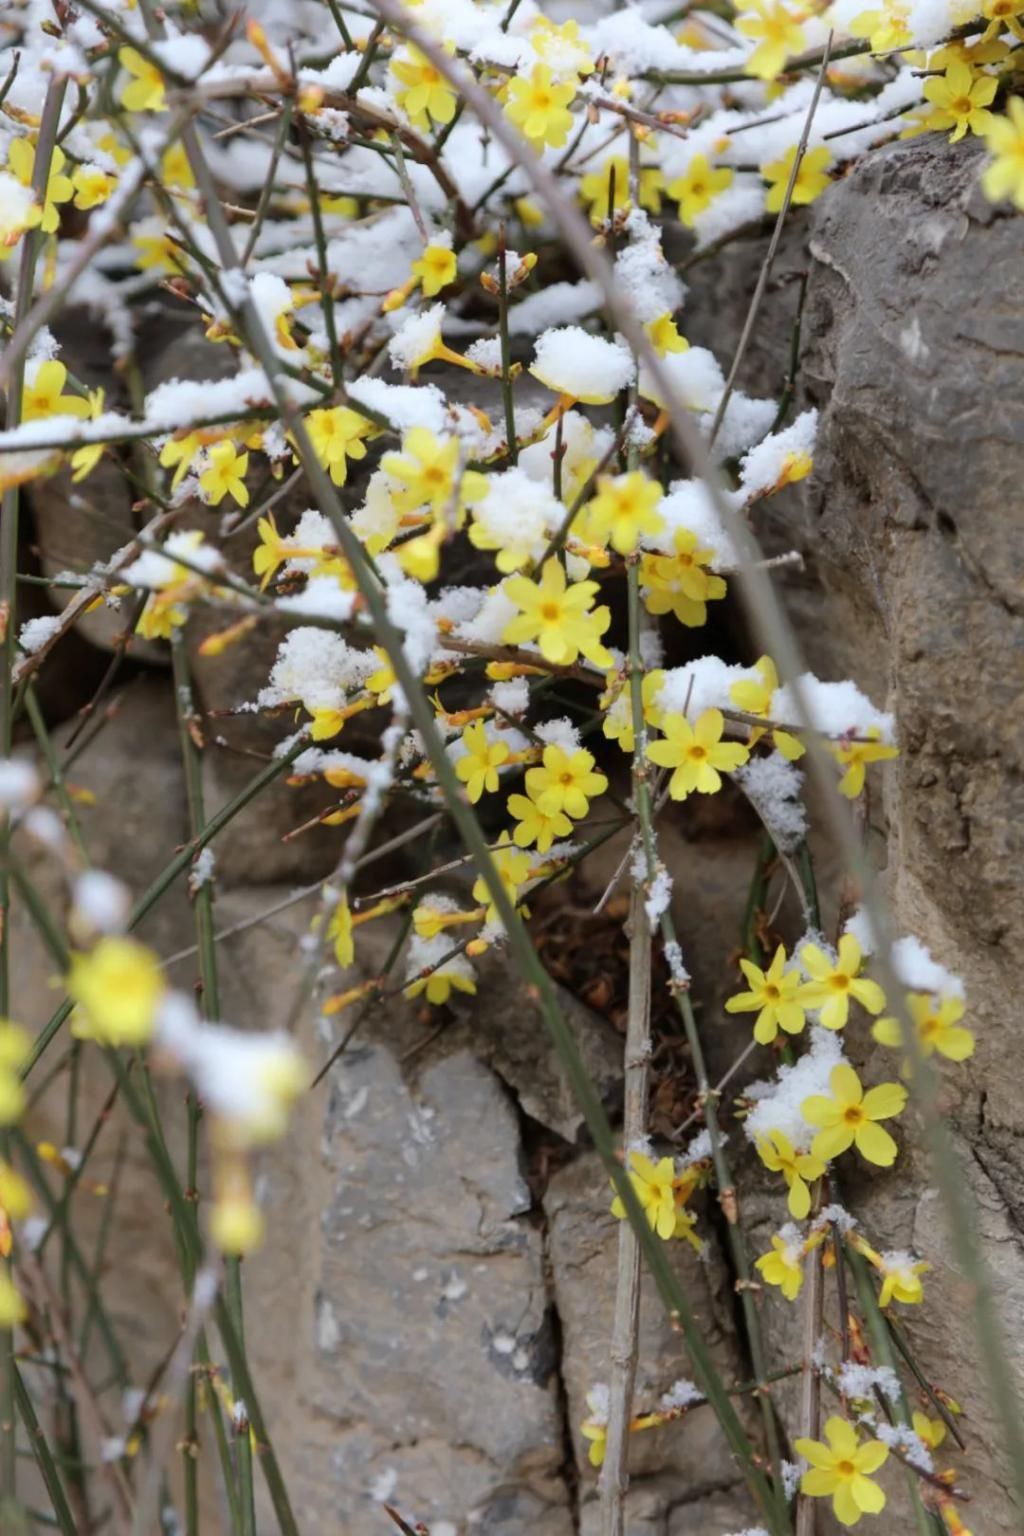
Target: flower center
[853,1114]
[771,991]
[962,106]
[549,611]
[845,1468]
[840,982]
[698,752]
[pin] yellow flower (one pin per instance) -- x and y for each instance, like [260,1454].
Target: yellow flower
[145,92]
[427,468]
[557,616]
[224,477]
[832,984]
[15,1045]
[778,1154]
[427,97]
[42,394]
[561,46]
[617,704]
[655,1187]
[755,698]
[931,1432]
[597,1434]
[236,1224]
[435,269]
[13,1310]
[606,190]
[696,753]
[886,26]
[777,33]
[855,755]
[513,869]
[784,1265]
[850,1117]
[961,99]
[565,781]
[697,188]
[901,1277]
[85,459]
[339,934]
[1003,176]
[179,452]
[774,994]
[439,984]
[539,107]
[679,583]
[21,159]
[937,1025]
[624,509]
[117,986]
[337,435]
[92,186]
[811,179]
[534,826]
[841,1471]
[15,1195]
[478,770]
[664,336]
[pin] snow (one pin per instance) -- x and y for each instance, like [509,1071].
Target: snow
[836,709]
[694,377]
[321,598]
[772,785]
[572,362]
[100,901]
[552,303]
[763,466]
[681,1394]
[35,633]
[317,667]
[559,733]
[777,1104]
[901,1437]
[404,405]
[19,784]
[706,683]
[689,504]
[414,343]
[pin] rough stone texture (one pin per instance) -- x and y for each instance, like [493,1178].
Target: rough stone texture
[915,355]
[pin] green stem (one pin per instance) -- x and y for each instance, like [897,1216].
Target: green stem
[63,1519]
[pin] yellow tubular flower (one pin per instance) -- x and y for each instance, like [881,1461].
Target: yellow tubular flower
[605,191]
[42,395]
[145,91]
[664,336]
[85,459]
[617,705]
[755,698]
[854,757]
[338,435]
[678,583]
[21,159]
[427,98]
[783,1266]
[225,475]
[797,1168]
[624,509]
[901,1278]
[478,770]
[15,1045]
[931,1432]
[697,753]
[435,269]
[960,99]
[811,180]
[565,782]
[777,33]
[513,869]
[117,986]
[654,1184]
[539,107]
[849,1117]
[1003,177]
[937,1025]
[697,188]
[92,186]
[832,984]
[841,1470]
[773,995]
[427,467]
[534,826]
[557,616]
